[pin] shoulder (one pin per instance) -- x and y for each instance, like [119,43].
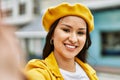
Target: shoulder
[36,69]
[35,63]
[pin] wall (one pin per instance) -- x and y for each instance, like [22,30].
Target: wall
[108,21]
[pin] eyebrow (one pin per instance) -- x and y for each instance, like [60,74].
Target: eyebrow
[71,27]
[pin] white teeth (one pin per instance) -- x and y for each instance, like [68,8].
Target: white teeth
[69,46]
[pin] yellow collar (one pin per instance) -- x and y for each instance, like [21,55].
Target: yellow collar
[52,65]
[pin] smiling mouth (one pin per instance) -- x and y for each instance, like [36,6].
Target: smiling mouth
[69,46]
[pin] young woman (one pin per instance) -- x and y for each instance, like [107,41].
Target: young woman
[67,42]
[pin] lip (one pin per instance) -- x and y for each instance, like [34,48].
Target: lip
[70,47]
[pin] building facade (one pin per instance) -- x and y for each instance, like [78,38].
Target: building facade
[19,12]
[106,37]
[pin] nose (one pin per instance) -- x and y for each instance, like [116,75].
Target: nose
[73,38]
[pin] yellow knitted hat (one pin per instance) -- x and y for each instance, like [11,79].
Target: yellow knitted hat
[54,13]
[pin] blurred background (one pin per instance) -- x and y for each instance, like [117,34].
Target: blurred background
[103,55]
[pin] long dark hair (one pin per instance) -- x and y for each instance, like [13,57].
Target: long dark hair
[48,48]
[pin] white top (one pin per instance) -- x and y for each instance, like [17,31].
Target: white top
[79,74]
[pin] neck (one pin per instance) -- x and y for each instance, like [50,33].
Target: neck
[66,64]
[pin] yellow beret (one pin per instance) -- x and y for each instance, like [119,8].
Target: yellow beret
[65,9]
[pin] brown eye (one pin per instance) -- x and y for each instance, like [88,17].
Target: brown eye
[66,30]
[80,33]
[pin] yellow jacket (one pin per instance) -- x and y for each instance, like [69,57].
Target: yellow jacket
[48,69]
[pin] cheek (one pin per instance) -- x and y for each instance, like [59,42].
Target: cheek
[82,40]
[58,39]
[59,36]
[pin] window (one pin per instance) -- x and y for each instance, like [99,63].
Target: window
[110,43]
[22,8]
[36,9]
[7,13]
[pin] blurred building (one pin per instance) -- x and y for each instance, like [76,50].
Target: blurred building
[105,50]
[19,12]
[32,38]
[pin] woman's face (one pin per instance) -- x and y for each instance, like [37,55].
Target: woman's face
[69,36]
